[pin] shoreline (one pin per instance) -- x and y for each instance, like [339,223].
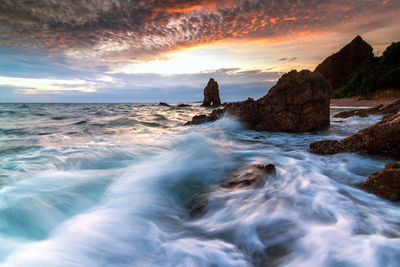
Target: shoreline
[355,102]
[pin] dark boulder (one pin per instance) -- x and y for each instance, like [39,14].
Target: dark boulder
[199,119]
[386,182]
[382,138]
[267,168]
[338,68]
[163,104]
[299,102]
[211,94]
[182,105]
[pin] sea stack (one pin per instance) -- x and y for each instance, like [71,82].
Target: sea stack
[337,68]
[211,94]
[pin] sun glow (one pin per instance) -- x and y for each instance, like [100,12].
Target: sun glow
[226,55]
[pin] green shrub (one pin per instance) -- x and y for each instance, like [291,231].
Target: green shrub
[374,74]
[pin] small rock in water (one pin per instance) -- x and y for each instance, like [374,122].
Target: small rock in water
[163,104]
[199,119]
[182,105]
[253,176]
[267,168]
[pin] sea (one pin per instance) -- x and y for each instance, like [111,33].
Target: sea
[110,184]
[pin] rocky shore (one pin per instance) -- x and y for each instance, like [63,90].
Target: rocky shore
[357,102]
[382,139]
[300,102]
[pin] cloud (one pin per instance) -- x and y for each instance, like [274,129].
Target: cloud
[145,30]
[47,86]
[287,59]
[235,84]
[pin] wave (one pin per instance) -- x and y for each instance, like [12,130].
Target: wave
[82,197]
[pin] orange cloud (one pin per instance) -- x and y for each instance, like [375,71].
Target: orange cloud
[150,28]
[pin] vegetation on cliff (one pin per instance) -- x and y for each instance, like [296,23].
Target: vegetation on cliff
[374,74]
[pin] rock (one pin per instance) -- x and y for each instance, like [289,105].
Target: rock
[337,68]
[163,104]
[211,94]
[182,105]
[199,119]
[382,138]
[377,110]
[254,176]
[386,182]
[299,102]
[267,168]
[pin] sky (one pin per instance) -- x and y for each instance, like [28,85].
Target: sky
[153,50]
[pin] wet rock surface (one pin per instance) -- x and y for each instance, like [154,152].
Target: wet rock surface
[299,102]
[386,182]
[254,176]
[382,138]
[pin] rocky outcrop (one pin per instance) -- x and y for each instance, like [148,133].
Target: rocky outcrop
[199,119]
[382,138]
[378,110]
[386,182]
[211,94]
[299,102]
[338,68]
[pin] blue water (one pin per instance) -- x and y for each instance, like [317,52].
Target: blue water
[108,185]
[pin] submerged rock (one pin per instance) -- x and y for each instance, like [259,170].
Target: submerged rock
[299,102]
[377,110]
[386,182]
[254,176]
[337,68]
[382,138]
[211,94]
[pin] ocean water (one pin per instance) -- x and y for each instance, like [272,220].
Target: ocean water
[109,185]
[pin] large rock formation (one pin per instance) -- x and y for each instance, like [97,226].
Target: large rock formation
[386,182]
[378,110]
[211,94]
[338,67]
[382,138]
[299,102]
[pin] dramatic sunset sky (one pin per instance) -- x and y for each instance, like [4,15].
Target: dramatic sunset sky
[153,50]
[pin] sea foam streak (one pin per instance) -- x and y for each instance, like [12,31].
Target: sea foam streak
[113,190]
